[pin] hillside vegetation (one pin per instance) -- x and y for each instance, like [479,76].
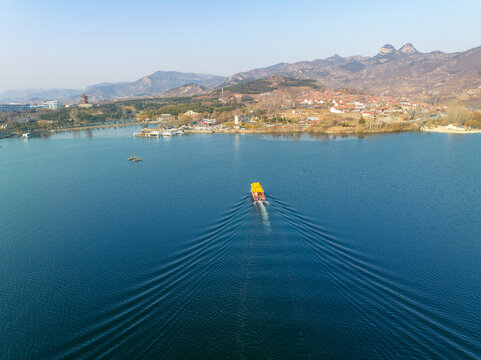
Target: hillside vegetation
[269,84]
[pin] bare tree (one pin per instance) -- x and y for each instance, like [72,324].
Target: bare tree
[457,114]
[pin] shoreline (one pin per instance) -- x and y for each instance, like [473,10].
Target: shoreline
[93,127]
[358,130]
[280,129]
[445,130]
[319,130]
[308,132]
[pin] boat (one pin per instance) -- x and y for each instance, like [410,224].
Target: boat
[166,133]
[134,158]
[26,135]
[257,192]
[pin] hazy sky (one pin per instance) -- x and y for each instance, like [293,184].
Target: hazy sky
[72,44]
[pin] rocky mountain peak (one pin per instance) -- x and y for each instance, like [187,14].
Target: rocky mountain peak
[408,49]
[334,57]
[387,50]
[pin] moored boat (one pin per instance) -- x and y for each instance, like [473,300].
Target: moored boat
[257,192]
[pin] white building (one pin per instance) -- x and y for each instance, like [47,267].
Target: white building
[51,105]
[191,113]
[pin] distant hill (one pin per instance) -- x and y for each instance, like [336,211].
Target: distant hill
[26,95]
[186,90]
[405,71]
[268,84]
[154,84]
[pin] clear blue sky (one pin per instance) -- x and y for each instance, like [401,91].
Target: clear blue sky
[73,44]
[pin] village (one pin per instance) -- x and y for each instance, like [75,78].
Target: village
[316,111]
[366,105]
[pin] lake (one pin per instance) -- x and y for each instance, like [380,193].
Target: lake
[367,248]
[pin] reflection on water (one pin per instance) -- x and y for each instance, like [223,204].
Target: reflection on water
[236,142]
[313,136]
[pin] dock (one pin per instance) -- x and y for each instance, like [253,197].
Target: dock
[156,133]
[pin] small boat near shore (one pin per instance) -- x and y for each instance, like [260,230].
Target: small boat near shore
[257,192]
[26,135]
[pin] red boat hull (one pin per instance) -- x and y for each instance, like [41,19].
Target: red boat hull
[258,196]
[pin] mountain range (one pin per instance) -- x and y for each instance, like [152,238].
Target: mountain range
[398,72]
[154,84]
[402,72]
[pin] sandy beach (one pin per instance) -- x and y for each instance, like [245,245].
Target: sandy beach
[445,129]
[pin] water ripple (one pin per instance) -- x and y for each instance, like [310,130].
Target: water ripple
[395,298]
[156,294]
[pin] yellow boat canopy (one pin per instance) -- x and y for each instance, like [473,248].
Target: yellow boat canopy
[257,188]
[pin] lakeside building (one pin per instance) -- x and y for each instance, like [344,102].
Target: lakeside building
[52,105]
[14,107]
[205,122]
[48,105]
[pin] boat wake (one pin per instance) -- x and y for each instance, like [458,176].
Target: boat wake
[153,304]
[223,292]
[387,303]
[262,207]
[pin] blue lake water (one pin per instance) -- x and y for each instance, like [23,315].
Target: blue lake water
[368,248]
